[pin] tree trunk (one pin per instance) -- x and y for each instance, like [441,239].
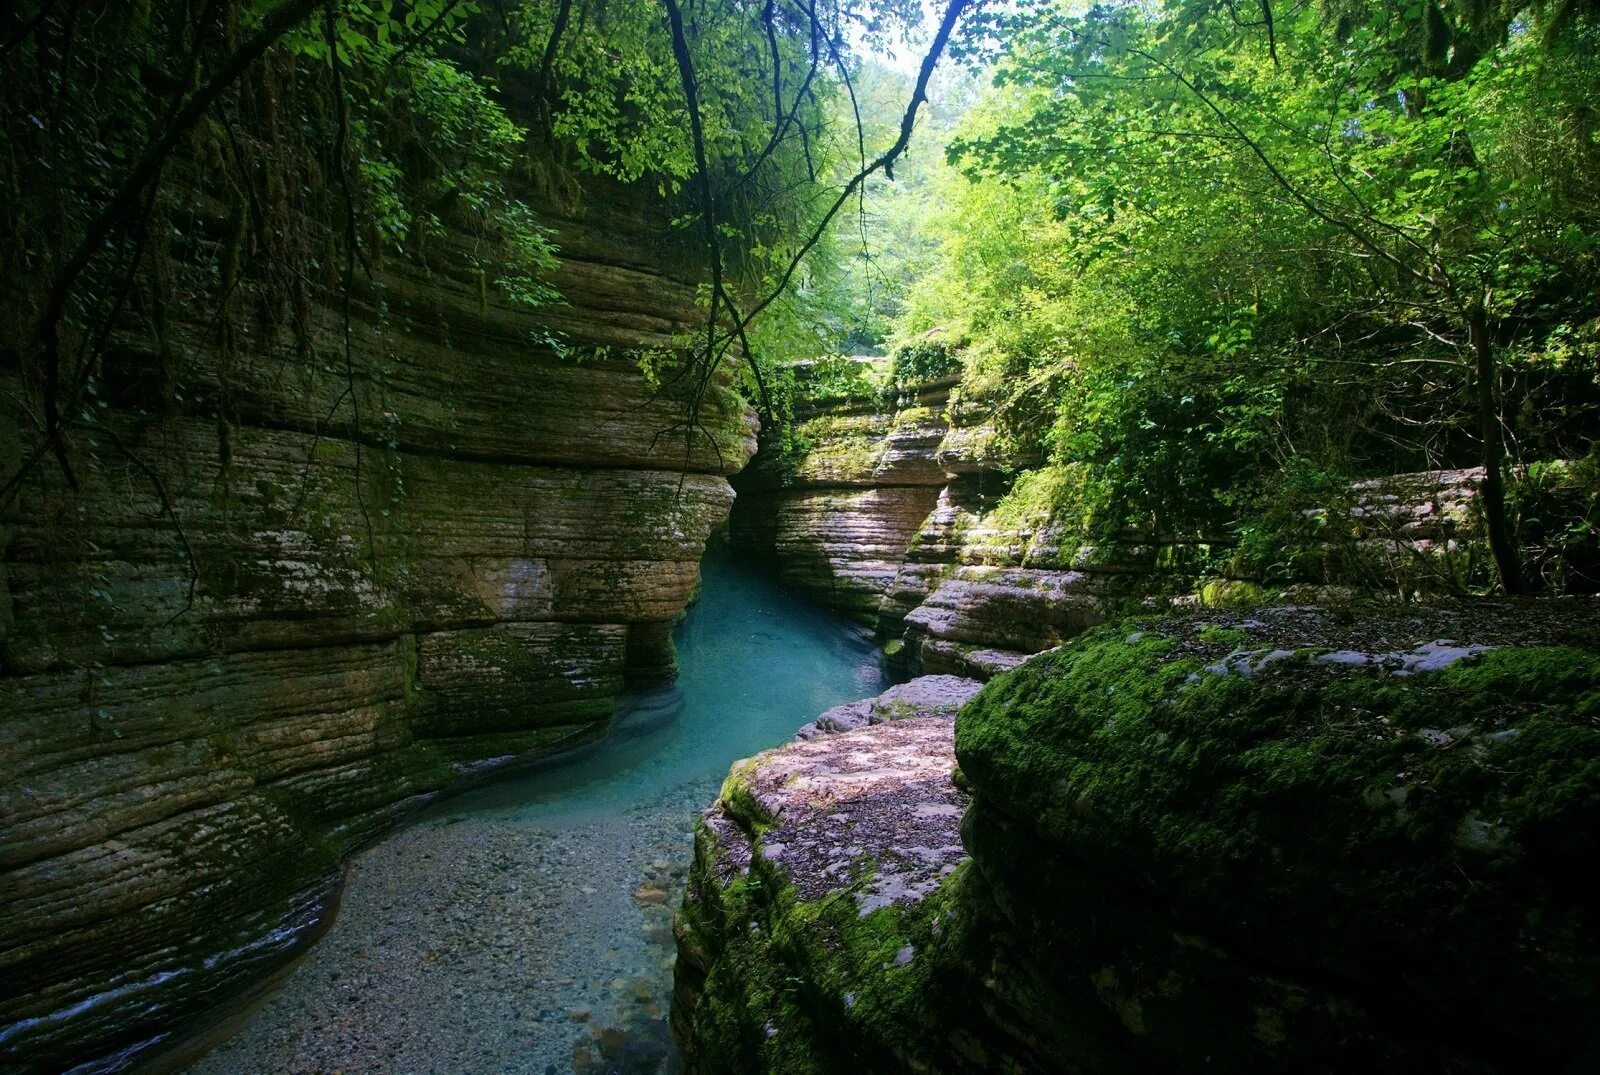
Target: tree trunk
[1502,542]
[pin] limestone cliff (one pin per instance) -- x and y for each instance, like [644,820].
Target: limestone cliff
[839,519]
[304,583]
[899,506]
[891,511]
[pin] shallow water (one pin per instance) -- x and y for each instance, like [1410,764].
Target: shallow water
[524,925]
[756,662]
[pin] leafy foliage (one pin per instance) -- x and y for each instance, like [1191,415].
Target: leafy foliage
[331,134]
[1203,256]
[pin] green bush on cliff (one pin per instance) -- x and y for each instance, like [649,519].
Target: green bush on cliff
[928,358]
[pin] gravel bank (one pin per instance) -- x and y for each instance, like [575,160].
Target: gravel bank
[483,943]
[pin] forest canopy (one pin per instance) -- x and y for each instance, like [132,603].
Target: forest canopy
[1219,258]
[1211,258]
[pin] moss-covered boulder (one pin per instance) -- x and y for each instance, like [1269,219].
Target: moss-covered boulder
[1291,840]
[814,898]
[1300,839]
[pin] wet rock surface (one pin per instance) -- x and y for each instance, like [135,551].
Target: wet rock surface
[525,924]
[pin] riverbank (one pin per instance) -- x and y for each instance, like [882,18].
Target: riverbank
[525,925]
[485,943]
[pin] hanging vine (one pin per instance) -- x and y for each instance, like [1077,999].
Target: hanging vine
[418,110]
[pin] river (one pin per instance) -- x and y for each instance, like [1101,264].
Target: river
[525,925]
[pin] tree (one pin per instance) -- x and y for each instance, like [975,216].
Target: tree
[1388,190]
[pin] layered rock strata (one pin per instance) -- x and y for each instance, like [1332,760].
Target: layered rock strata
[1281,841]
[302,584]
[993,572]
[889,515]
[979,591]
[839,520]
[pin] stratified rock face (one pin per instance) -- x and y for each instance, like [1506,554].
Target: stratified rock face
[1282,841]
[1409,532]
[840,522]
[909,514]
[195,725]
[809,899]
[888,516]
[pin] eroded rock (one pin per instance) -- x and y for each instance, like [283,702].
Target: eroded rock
[194,728]
[841,839]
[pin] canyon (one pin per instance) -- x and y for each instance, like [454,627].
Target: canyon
[260,631]
[1124,669]
[333,623]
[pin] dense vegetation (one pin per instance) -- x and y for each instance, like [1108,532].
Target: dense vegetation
[163,155]
[1213,262]
[1217,259]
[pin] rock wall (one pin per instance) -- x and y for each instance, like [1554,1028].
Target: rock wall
[839,519]
[1289,840]
[980,580]
[889,513]
[261,628]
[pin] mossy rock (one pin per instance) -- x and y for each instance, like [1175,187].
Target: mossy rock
[1340,841]
[817,902]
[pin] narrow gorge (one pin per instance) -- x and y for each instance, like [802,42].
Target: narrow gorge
[707,537]
[367,621]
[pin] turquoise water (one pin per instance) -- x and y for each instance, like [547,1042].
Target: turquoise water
[755,663]
[524,926]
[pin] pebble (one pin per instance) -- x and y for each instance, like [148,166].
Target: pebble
[474,946]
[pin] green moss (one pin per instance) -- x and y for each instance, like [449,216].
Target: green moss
[848,451]
[1230,593]
[1050,497]
[1323,816]
[1228,636]
[739,800]
[913,416]
[807,986]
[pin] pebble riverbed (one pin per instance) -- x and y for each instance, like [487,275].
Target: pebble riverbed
[526,926]
[455,952]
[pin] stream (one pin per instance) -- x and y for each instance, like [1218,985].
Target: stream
[525,925]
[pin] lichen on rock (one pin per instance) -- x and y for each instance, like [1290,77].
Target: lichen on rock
[817,882]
